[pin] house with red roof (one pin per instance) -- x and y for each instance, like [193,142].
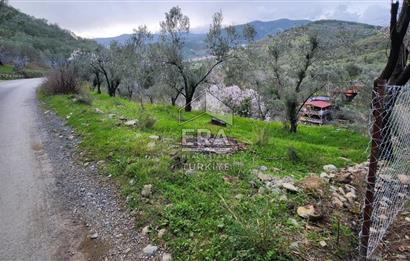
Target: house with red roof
[317,110]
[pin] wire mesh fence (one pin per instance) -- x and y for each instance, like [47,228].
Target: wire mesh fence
[388,180]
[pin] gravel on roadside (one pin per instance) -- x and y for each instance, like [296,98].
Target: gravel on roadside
[93,201]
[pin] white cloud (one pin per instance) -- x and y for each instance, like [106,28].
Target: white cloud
[92,18]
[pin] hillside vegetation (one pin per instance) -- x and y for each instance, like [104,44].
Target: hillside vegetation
[27,40]
[195,42]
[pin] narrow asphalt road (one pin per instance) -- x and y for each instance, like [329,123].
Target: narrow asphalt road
[27,218]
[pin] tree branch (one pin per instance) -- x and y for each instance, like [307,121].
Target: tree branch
[209,71]
[310,95]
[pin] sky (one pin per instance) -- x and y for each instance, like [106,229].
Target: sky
[107,18]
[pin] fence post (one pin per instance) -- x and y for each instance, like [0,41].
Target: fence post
[377,107]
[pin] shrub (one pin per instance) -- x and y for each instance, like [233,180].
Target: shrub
[262,137]
[147,121]
[84,96]
[61,81]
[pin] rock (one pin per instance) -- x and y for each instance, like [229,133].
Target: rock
[322,243]
[324,175]
[263,168]
[131,123]
[290,187]
[336,202]
[151,145]
[350,195]
[283,198]
[100,162]
[309,212]
[94,236]
[263,177]
[150,250]
[407,219]
[294,245]
[111,115]
[145,230]
[162,232]
[166,257]
[154,137]
[330,168]
[147,191]
[311,184]
[239,196]
[261,190]
[98,110]
[344,177]
[293,222]
[340,197]
[404,179]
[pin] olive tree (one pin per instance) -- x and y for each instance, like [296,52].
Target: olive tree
[292,80]
[219,42]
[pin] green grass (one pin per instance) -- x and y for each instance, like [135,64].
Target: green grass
[203,217]
[7,69]
[8,72]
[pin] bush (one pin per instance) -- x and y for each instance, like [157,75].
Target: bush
[61,81]
[147,121]
[262,138]
[84,96]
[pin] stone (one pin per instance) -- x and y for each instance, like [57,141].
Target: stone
[294,245]
[147,191]
[407,219]
[309,212]
[98,110]
[150,250]
[350,195]
[151,145]
[145,230]
[162,232]
[166,257]
[344,177]
[322,243]
[290,187]
[261,190]
[131,123]
[239,196]
[336,202]
[330,168]
[111,115]
[311,183]
[283,198]
[293,221]
[154,137]
[263,168]
[324,175]
[94,236]
[263,177]
[404,179]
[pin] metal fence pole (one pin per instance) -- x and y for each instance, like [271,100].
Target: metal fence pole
[377,106]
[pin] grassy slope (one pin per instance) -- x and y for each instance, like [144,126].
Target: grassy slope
[200,211]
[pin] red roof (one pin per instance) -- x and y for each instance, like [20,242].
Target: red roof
[319,104]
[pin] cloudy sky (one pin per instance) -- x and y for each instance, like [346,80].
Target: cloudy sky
[104,18]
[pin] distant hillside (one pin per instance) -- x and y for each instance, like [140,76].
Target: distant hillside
[24,38]
[195,42]
[348,41]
